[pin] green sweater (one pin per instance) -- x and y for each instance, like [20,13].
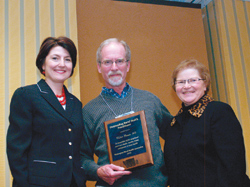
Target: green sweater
[94,142]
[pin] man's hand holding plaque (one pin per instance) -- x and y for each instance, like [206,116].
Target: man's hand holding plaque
[128,141]
[110,173]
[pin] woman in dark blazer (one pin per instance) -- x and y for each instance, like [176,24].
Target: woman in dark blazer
[204,144]
[45,131]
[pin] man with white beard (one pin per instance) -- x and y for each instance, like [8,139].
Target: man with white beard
[119,98]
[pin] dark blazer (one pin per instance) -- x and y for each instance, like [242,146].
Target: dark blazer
[43,139]
[207,150]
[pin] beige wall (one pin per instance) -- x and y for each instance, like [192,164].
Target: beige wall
[159,37]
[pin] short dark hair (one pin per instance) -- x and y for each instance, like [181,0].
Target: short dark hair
[52,42]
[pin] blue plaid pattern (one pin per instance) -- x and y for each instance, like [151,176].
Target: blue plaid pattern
[114,94]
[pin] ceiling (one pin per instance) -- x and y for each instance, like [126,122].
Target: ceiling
[184,3]
[203,3]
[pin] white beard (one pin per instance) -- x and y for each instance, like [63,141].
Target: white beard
[114,81]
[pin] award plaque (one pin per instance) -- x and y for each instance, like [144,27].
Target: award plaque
[128,141]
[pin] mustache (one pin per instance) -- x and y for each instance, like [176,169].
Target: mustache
[115,73]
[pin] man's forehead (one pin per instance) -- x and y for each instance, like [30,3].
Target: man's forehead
[113,49]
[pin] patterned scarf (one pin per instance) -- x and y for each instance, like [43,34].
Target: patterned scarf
[197,109]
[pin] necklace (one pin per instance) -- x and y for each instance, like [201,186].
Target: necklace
[62,98]
[131,105]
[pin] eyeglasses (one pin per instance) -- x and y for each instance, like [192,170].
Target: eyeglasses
[190,81]
[118,62]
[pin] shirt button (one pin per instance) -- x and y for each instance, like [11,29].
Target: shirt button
[70,157]
[70,143]
[69,129]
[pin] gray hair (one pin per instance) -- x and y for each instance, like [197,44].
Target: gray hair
[108,41]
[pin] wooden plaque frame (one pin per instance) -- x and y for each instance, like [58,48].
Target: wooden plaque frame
[128,141]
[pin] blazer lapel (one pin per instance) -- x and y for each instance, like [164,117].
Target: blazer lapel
[70,102]
[50,97]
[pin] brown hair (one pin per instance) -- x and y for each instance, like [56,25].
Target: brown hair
[192,64]
[51,42]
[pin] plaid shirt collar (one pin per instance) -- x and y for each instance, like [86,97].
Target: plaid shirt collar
[114,94]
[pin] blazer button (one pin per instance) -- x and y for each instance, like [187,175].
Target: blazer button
[69,129]
[70,143]
[70,157]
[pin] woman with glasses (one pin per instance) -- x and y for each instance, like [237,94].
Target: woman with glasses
[46,124]
[204,144]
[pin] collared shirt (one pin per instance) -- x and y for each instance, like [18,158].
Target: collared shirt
[112,92]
